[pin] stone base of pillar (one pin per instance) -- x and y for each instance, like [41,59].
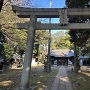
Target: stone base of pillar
[47,67]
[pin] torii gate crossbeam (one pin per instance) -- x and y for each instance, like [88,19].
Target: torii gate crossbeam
[50,12]
[43,26]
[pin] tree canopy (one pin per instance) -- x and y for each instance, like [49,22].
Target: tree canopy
[80,37]
[77,3]
[14,37]
[61,39]
[11,35]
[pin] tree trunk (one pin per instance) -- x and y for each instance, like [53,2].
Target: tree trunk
[48,66]
[1,4]
[75,60]
[37,53]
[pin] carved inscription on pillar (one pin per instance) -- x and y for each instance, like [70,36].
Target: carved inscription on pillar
[63,17]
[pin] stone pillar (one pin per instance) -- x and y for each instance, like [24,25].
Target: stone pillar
[28,54]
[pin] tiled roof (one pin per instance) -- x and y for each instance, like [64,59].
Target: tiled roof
[61,53]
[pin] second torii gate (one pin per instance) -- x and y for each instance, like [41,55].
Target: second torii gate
[33,14]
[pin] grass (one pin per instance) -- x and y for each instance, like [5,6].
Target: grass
[43,79]
[10,79]
[80,81]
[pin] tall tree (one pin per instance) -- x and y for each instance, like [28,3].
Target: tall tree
[78,37]
[41,40]
[12,35]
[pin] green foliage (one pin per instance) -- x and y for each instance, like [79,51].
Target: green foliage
[12,35]
[20,40]
[77,3]
[61,39]
[7,51]
[53,45]
[85,50]
[41,36]
[41,39]
[79,37]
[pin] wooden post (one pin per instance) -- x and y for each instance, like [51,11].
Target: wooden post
[28,55]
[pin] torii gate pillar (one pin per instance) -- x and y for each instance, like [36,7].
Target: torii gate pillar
[28,54]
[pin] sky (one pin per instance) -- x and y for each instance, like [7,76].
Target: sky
[46,4]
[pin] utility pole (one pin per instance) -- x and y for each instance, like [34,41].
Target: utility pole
[49,44]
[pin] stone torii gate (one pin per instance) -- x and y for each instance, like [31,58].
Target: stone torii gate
[33,14]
